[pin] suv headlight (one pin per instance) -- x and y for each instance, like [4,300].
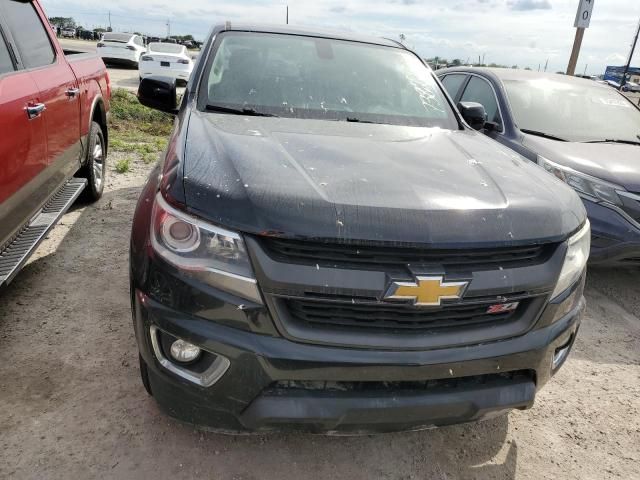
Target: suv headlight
[578,249]
[593,187]
[211,254]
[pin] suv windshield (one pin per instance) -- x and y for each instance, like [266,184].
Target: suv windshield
[307,77]
[573,111]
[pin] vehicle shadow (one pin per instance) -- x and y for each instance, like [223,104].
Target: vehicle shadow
[66,317]
[474,451]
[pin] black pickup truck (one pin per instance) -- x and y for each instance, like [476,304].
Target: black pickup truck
[328,246]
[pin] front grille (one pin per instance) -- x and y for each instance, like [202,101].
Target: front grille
[381,317]
[368,256]
[287,386]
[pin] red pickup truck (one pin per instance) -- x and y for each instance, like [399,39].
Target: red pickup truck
[53,119]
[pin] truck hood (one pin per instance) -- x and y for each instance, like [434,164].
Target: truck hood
[348,181]
[614,162]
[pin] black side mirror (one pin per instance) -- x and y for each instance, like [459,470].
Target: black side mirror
[159,93]
[474,114]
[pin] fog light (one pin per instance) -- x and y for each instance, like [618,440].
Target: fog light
[184,352]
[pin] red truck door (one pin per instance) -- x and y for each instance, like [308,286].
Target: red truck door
[57,84]
[23,149]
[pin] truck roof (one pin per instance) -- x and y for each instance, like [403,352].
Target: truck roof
[308,32]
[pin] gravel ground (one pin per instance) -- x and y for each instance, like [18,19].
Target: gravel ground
[72,405]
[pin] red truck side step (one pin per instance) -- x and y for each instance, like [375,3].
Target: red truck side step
[16,254]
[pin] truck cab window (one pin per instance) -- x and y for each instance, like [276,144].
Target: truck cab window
[29,34]
[6,65]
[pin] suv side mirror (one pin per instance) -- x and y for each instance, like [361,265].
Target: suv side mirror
[159,93]
[473,113]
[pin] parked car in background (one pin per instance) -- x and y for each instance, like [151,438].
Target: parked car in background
[121,48]
[166,59]
[583,132]
[68,33]
[327,246]
[53,112]
[631,87]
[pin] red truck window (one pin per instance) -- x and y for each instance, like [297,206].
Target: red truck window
[29,34]
[6,65]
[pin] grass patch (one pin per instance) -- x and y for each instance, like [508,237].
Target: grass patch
[123,165]
[149,158]
[136,129]
[131,119]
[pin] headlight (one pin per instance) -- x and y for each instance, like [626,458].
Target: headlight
[575,261]
[211,254]
[586,184]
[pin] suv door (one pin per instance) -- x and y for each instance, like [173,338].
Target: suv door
[23,147]
[56,82]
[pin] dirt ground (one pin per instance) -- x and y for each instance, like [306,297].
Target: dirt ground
[72,405]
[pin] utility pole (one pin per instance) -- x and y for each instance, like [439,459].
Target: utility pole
[633,48]
[583,19]
[168,28]
[110,20]
[287,14]
[585,69]
[546,65]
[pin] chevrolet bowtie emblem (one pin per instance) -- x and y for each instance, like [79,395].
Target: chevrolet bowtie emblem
[426,291]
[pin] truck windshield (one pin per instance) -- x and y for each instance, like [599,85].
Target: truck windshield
[573,111]
[305,77]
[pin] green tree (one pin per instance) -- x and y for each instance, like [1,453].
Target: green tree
[62,22]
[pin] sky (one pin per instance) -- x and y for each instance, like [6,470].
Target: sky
[526,33]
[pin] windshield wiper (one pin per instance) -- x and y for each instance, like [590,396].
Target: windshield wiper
[238,111]
[357,120]
[542,134]
[615,140]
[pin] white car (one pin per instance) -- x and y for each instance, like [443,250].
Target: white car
[168,60]
[121,48]
[68,33]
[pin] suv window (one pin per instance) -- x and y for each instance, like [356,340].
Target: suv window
[453,83]
[138,41]
[479,90]
[6,64]
[29,34]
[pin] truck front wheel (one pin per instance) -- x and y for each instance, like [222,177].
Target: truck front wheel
[95,167]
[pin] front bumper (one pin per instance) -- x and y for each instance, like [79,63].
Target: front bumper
[276,384]
[615,237]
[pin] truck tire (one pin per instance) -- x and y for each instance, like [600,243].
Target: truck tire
[144,374]
[95,167]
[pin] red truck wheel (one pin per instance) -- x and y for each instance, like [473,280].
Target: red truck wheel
[95,168]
